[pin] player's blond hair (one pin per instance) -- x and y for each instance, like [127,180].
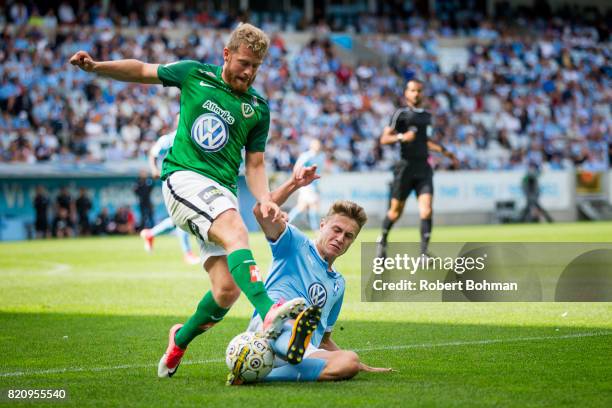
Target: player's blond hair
[254,39]
[349,209]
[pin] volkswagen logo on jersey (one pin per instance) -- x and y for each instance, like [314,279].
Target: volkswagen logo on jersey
[317,294]
[209,132]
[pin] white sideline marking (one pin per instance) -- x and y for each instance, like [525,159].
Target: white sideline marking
[365,349]
[488,341]
[58,267]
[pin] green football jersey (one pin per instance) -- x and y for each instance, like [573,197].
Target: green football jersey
[215,123]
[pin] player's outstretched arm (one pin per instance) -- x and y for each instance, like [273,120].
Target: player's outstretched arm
[257,180]
[127,70]
[367,368]
[301,176]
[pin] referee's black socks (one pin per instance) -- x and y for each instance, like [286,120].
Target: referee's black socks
[425,234]
[386,227]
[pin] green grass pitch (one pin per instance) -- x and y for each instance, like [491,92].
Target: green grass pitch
[91,316]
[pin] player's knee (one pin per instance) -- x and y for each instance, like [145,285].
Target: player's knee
[394,214]
[350,364]
[343,365]
[226,294]
[425,213]
[229,231]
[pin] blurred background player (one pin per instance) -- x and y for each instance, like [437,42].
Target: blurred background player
[304,267]
[156,157]
[143,189]
[200,175]
[309,195]
[531,188]
[83,206]
[41,208]
[411,128]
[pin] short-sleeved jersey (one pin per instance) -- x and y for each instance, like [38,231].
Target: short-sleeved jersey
[162,147]
[299,271]
[215,123]
[416,119]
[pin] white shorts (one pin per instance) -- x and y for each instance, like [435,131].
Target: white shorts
[194,202]
[308,195]
[256,324]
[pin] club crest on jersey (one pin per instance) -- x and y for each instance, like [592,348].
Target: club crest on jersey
[209,132]
[336,288]
[317,294]
[247,110]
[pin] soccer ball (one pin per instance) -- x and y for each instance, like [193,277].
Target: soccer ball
[258,361]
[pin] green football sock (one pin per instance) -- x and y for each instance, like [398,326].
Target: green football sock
[207,315]
[247,277]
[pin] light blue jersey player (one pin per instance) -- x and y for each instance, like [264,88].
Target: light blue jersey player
[309,196]
[157,154]
[302,267]
[298,270]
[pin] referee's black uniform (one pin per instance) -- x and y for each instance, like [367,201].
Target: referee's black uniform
[412,171]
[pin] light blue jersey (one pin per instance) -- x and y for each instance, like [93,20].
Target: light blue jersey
[162,147]
[299,271]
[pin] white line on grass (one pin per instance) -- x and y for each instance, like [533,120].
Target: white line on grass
[361,350]
[476,342]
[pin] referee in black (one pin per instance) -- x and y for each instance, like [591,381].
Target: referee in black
[411,128]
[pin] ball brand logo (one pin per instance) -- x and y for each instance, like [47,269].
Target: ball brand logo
[317,294]
[209,132]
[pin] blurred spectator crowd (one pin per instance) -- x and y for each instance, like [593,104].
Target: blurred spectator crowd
[526,96]
[67,216]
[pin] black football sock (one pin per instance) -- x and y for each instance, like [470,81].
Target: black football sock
[386,227]
[425,234]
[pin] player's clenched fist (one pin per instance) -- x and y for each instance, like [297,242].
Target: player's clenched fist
[83,60]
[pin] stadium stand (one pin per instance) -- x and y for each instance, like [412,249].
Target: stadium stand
[510,86]
[533,92]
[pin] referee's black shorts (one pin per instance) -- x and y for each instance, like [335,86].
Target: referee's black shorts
[411,176]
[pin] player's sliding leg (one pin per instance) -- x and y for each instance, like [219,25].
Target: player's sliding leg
[318,366]
[395,211]
[308,370]
[212,308]
[425,213]
[294,340]
[188,255]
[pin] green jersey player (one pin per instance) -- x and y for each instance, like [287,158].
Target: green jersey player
[220,115]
